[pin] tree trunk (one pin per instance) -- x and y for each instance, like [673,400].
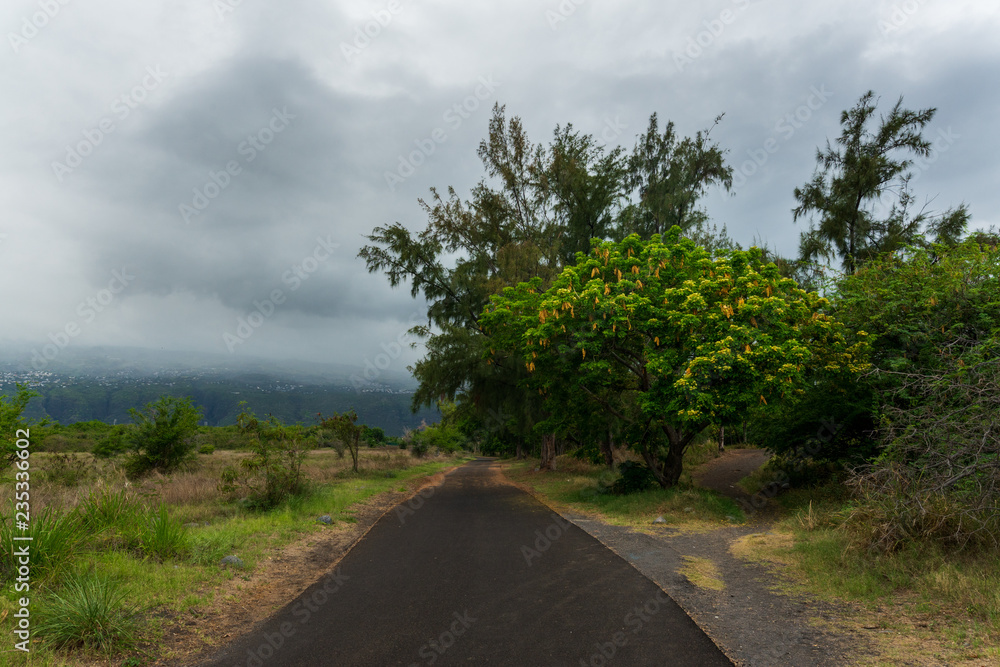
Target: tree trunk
[608,450]
[520,450]
[722,439]
[548,453]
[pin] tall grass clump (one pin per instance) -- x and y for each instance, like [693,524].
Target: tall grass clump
[88,612]
[55,538]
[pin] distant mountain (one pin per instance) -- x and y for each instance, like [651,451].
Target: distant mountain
[144,362]
[83,384]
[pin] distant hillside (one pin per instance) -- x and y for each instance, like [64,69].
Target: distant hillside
[103,383]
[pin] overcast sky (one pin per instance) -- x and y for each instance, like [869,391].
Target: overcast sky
[169,168]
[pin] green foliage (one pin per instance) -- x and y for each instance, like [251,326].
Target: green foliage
[853,180]
[89,612]
[373,435]
[444,438]
[206,449]
[669,176]
[273,473]
[418,445]
[633,478]
[163,537]
[55,537]
[11,421]
[668,340]
[113,443]
[162,436]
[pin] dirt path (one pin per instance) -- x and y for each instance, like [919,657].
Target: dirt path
[722,473]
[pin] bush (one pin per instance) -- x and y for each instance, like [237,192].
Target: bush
[206,449]
[10,421]
[162,436]
[939,477]
[112,444]
[91,613]
[67,469]
[274,472]
[634,477]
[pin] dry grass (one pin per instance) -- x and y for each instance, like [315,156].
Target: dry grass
[197,487]
[703,573]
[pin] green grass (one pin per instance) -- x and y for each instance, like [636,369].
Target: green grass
[89,612]
[955,595]
[579,486]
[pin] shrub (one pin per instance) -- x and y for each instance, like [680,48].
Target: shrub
[419,445]
[113,443]
[162,436]
[89,612]
[274,472]
[634,477]
[206,449]
[67,469]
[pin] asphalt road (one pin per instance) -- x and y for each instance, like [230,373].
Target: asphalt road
[477,572]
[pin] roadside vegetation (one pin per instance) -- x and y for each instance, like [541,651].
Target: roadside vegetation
[130,524]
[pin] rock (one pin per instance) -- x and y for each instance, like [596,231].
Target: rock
[659,519]
[193,525]
[689,510]
[325,519]
[235,561]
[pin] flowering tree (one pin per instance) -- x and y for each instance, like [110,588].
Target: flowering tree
[666,340]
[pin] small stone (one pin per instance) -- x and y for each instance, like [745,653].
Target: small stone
[192,525]
[659,519]
[689,510]
[731,518]
[235,561]
[325,519]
